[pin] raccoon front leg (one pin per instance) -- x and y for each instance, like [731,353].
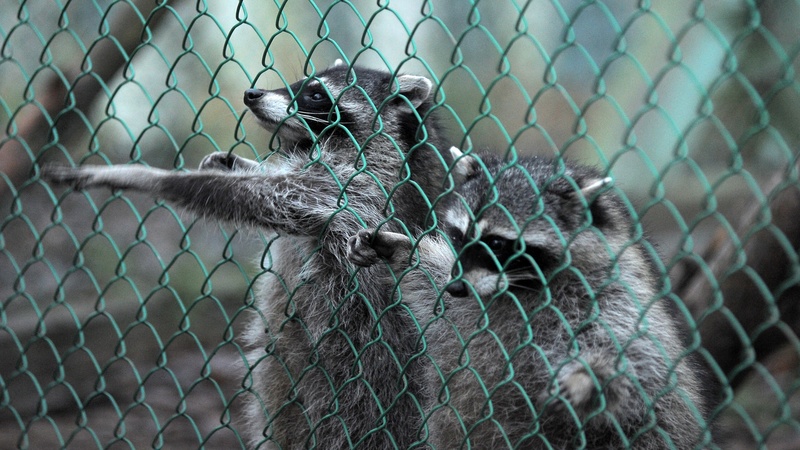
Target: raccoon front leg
[298,205]
[135,177]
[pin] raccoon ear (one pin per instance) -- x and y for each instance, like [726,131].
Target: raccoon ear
[593,185]
[601,214]
[415,88]
[464,166]
[338,62]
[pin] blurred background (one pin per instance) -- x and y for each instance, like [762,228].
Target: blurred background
[119,314]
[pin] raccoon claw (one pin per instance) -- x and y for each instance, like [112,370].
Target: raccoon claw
[226,162]
[360,251]
[73,177]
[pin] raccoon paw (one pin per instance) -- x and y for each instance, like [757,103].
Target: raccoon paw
[226,162]
[74,177]
[577,387]
[359,249]
[368,247]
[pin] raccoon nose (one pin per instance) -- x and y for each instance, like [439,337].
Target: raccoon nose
[457,289]
[253,95]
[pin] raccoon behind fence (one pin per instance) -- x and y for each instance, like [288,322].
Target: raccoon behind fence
[334,367]
[552,332]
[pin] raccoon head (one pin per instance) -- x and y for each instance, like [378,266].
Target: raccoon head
[352,103]
[514,225]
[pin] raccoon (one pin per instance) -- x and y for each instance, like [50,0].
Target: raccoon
[552,330]
[330,359]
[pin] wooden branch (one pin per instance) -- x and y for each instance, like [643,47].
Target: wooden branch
[757,302]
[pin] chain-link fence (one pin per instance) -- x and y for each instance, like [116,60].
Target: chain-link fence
[121,316]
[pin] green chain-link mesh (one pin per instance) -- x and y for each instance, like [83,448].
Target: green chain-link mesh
[120,316]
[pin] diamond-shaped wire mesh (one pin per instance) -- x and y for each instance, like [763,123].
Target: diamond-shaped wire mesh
[120,316]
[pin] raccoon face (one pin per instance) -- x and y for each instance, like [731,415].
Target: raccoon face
[343,101]
[494,256]
[291,117]
[515,226]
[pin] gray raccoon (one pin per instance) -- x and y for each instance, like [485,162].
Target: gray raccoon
[566,341]
[330,365]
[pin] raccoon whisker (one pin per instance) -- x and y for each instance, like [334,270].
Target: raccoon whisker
[523,287]
[521,279]
[519,269]
[521,273]
[310,118]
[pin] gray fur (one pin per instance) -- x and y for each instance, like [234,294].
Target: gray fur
[545,346]
[331,365]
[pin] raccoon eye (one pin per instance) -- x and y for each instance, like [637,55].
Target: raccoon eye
[317,96]
[497,244]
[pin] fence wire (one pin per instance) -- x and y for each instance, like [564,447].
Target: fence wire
[120,315]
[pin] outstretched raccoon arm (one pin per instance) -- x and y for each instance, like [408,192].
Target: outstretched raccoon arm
[297,205]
